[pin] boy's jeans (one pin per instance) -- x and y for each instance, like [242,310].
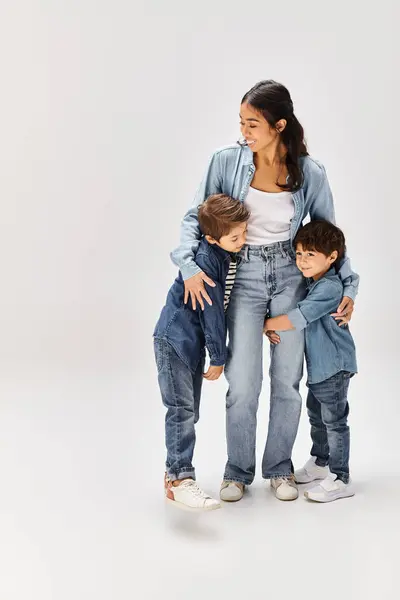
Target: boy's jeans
[328,410]
[267,283]
[180,391]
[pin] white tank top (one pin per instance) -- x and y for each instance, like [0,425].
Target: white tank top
[271,214]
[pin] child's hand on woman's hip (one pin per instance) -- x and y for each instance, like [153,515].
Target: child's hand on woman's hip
[272,336]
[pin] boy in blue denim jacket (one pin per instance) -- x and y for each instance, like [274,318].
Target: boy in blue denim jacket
[330,358]
[181,336]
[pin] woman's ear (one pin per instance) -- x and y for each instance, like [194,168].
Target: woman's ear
[280,125]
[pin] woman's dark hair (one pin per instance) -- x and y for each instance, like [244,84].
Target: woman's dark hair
[273,101]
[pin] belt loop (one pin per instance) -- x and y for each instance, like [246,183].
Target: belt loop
[264,252]
[246,254]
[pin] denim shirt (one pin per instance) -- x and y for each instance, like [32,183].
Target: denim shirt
[230,171]
[329,348]
[190,331]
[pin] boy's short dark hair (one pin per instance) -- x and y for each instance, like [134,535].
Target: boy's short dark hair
[219,213]
[323,237]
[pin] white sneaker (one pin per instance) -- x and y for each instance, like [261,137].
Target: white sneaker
[330,489]
[231,491]
[285,488]
[311,472]
[188,496]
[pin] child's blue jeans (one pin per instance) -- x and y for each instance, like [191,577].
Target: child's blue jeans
[328,410]
[180,391]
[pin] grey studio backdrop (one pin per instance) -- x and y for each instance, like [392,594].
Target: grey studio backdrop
[109,112]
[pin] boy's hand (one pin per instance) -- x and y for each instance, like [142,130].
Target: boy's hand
[213,373]
[272,336]
[344,311]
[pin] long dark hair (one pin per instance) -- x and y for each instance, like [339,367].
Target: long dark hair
[273,101]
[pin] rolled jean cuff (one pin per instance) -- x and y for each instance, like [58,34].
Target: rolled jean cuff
[277,475]
[237,480]
[230,475]
[183,473]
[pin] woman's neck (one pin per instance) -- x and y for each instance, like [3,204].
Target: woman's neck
[270,156]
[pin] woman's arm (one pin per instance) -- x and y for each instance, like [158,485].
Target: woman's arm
[183,255]
[322,207]
[190,235]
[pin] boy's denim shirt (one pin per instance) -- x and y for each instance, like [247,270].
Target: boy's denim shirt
[329,348]
[190,331]
[230,171]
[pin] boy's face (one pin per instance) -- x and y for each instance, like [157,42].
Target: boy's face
[234,240]
[313,264]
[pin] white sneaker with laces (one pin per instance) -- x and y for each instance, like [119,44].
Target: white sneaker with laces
[285,488]
[311,472]
[231,491]
[188,496]
[330,489]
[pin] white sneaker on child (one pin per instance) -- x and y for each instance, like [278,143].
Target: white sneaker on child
[231,491]
[330,489]
[285,488]
[188,496]
[311,472]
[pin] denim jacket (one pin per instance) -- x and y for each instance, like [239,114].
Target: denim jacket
[230,171]
[190,331]
[329,348]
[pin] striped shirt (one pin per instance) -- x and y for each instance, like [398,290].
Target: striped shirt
[230,280]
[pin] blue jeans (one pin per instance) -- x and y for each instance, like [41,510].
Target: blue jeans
[180,392]
[328,410]
[267,283]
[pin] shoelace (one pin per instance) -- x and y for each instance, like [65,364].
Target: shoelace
[194,488]
[288,480]
[228,483]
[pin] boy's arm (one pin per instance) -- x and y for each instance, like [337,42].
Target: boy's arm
[212,318]
[281,323]
[320,301]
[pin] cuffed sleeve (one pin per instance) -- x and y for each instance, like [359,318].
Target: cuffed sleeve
[297,319]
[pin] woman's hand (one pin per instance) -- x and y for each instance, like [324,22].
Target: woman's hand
[194,286]
[344,311]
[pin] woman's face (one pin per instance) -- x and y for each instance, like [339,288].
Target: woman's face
[256,129]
